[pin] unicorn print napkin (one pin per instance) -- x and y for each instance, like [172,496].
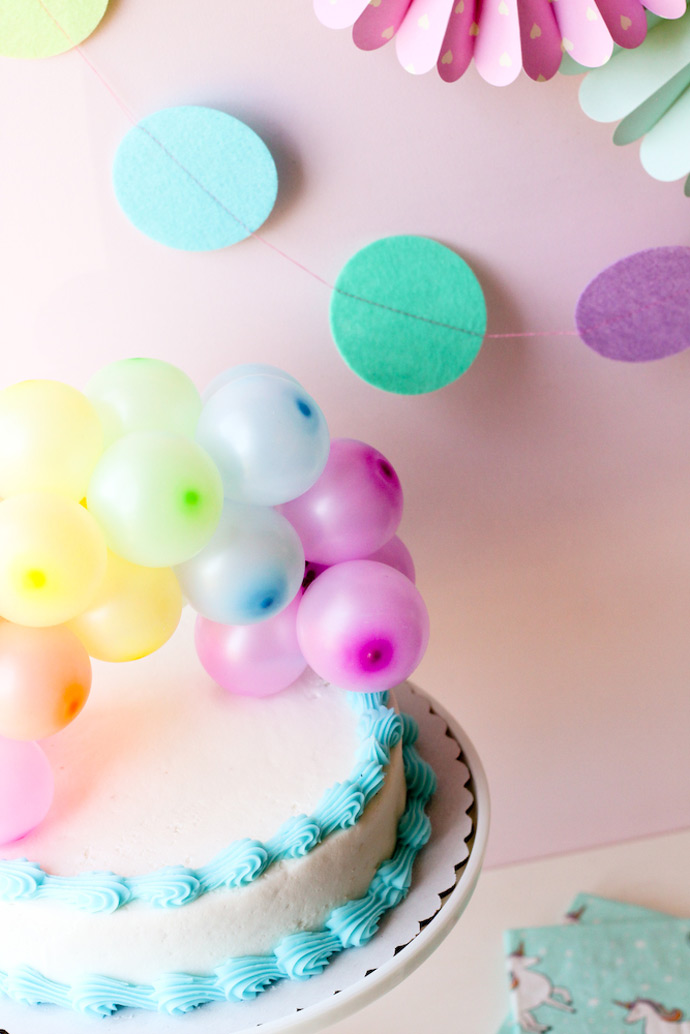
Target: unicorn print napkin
[611,966]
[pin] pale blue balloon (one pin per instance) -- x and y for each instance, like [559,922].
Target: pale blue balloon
[250,569]
[267,437]
[233,373]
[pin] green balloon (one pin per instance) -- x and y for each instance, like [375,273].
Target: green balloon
[144,395]
[157,496]
[408,315]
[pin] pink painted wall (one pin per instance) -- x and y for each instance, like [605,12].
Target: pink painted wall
[547,491]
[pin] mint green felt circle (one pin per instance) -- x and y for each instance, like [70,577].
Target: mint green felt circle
[408,315]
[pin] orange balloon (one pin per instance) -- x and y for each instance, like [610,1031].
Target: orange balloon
[45,679]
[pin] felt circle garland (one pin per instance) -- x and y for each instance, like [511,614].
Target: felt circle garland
[43,28]
[502,36]
[103,577]
[639,308]
[408,315]
[195,178]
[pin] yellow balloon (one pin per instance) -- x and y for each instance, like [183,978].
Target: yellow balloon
[50,439]
[52,559]
[135,610]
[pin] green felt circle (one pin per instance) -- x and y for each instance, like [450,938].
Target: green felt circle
[408,315]
[31,28]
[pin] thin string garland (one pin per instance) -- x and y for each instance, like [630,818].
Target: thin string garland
[583,331]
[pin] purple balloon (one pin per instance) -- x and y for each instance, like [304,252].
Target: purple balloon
[252,660]
[396,554]
[639,308]
[363,626]
[26,788]
[353,508]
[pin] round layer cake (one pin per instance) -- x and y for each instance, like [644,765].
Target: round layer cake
[202,845]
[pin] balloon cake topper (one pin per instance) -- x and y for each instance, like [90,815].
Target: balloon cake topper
[117,502]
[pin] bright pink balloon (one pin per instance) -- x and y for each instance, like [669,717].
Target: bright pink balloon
[396,554]
[353,508]
[252,660]
[26,788]
[362,625]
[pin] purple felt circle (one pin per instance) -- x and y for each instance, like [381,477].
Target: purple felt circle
[639,308]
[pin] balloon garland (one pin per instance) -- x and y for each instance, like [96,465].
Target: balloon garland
[117,501]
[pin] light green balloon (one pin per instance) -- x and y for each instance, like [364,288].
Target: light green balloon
[157,496]
[144,395]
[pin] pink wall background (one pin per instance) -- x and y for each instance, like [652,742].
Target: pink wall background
[547,491]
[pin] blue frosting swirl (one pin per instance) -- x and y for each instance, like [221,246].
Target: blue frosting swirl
[341,807]
[167,888]
[297,957]
[245,978]
[295,838]
[89,892]
[20,879]
[303,955]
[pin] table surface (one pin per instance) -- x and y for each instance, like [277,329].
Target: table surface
[462,988]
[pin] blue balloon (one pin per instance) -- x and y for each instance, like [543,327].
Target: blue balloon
[250,569]
[267,437]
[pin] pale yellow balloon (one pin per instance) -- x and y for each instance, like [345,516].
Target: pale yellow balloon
[135,610]
[52,559]
[50,439]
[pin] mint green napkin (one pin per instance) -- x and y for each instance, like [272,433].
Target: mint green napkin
[610,965]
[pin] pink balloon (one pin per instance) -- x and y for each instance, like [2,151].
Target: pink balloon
[252,660]
[362,625]
[353,508]
[45,679]
[396,554]
[26,788]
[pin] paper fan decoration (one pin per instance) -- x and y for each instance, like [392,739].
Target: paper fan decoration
[647,93]
[502,36]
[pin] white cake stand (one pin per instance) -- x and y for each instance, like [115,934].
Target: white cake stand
[361,975]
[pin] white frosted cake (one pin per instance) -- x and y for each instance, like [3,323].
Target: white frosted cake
[203,846]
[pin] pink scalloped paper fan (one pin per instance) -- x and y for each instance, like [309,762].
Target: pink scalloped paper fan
[503,36]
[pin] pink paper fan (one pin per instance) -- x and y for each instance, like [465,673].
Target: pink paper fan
[503,36]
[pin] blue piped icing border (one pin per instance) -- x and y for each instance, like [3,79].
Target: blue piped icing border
[379,729]
[297,957]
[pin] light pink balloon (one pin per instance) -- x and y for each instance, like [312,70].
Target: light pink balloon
[352,509]
[26,788]
[396,554]
[252,660]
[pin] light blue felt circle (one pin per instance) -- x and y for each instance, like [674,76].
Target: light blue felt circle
[195,178]
[408,315]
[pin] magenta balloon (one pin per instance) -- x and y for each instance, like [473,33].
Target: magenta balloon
[396,554]
[26,788]
[252,660]
[353,508]
[362,625]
